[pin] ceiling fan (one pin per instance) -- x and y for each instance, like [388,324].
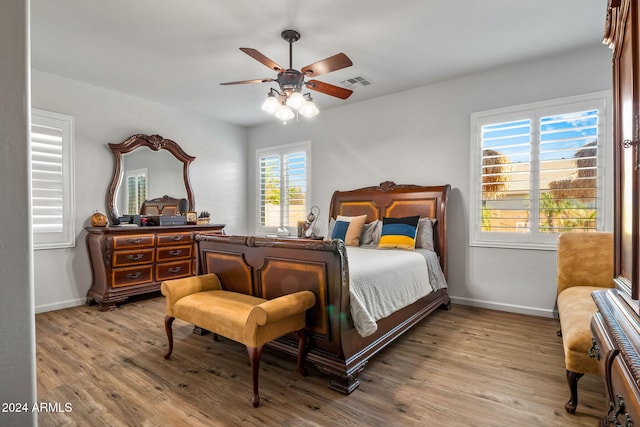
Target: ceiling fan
[291,81]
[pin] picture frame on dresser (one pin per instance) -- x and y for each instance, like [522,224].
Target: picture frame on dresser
[192,218]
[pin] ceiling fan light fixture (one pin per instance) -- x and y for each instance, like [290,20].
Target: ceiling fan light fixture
[284,113]
[309,109]
[295,100]
[271,104]
[290,102]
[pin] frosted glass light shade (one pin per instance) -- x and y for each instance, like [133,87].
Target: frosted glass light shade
[284,113]
[270,105]
[309,109]
[295,100]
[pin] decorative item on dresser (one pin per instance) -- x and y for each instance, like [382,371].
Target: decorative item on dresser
[616,326]
[128,261]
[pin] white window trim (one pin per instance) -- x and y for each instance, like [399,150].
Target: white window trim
[526,240]
[67,238]
[280,149]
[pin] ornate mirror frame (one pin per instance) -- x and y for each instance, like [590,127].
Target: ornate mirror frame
[155,143]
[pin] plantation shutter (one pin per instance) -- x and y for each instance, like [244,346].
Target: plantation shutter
[538,170]
[569,182]
[51,180]
[283,183]
[506,176]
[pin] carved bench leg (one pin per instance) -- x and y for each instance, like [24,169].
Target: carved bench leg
[572,380]
[254,358]
[168,322]
[302,350]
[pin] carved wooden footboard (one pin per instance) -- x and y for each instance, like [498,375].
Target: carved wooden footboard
[271,267]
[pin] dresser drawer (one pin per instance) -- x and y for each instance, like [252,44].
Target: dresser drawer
[133,241]
[626,394]
[173,270]
[132,275]
[174,252]
[140,256]
[174,238]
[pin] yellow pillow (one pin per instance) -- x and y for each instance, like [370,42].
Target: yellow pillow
[349,229]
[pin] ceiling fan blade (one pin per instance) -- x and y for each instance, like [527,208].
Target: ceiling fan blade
[327,65]
[261,58]
[329,89]
[242,82]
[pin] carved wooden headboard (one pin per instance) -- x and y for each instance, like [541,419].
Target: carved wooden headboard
[391,200]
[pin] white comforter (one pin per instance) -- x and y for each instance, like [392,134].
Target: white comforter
[382,281]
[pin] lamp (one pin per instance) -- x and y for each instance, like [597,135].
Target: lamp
[311,220]
[289,104]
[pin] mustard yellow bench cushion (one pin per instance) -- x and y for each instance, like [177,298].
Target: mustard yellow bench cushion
[576,308]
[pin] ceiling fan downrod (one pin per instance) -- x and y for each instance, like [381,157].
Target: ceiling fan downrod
[290,36]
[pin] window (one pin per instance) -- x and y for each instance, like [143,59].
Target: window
[537,170]
[52,180]
[283,186]
[136,194]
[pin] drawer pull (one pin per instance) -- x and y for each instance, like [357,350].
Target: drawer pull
[134,276]
[175,252]
[618,407]
[134,240]
[174,269]
[177,238]
[594,351]
[136,257]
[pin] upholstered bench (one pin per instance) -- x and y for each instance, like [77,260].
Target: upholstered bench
[585,264]
[252,321]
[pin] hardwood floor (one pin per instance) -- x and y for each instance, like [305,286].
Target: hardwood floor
[464,367]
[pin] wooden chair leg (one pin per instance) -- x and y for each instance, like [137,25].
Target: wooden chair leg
[572,380]
[254,357]
[302,350]
[168,322]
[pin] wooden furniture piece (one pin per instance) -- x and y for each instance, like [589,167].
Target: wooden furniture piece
[271,267]
[616,347]
[246,319]
[616,327]
[585,264]
[129,261]
[139,143]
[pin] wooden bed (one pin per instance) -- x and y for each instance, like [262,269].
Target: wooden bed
[270,267]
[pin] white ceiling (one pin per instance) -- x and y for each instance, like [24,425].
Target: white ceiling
[177,52]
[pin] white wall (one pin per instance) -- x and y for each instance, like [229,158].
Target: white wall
[422,137]
[17,322]
[218,176]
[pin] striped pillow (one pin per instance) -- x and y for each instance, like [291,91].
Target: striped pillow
[399,232]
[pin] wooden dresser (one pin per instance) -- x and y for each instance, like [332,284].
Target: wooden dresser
[616,345]
[133,261]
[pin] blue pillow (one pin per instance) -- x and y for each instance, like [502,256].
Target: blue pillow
[340,230]
[399,232]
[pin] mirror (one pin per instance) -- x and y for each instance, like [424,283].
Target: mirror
[151,163]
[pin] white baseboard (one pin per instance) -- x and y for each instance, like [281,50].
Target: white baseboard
[59,305]
[511,308]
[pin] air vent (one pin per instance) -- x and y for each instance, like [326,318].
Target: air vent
[357,81]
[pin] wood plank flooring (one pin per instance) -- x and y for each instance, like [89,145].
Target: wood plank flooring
[464,367]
